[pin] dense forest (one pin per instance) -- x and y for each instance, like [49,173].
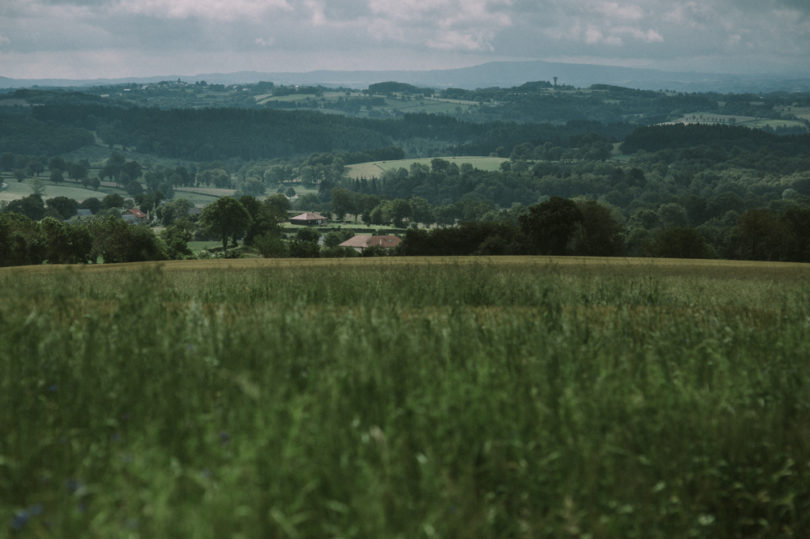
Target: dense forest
[217,133]
[703,175]
[532,102]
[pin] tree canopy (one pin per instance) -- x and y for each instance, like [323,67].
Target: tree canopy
[551,226]
[226,218]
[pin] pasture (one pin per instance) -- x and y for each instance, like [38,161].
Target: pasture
[802,113]
[377,168]
[428,105]
[16,190]
[710,118]
[393,104]
[406,397]
[202,196]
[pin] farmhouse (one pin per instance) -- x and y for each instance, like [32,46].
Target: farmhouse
[135,216]
[364,241]
[308,218]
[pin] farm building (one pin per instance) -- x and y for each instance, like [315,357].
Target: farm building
[308,218]
[364,241]
[135,216]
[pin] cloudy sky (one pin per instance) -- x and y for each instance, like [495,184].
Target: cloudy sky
[119,38]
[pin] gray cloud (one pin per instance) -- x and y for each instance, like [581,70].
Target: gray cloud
[132,36]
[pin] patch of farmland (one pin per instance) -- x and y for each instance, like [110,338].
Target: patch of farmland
[775,123]
[753,122]
[375,169]
[292,98]
[453,101]
[710,118]
[429,105]
[207,191]
[801,112]
[15,190]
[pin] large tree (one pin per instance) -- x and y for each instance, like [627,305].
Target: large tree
[266,216]
[551,225]
[116,241]
[113,167]
[679,242]
[20,240]
[600,234]
[343,202]
[56,236]
[227,218]
[759,235]
[78,171]
[62,206]
[169,212]
[31,206]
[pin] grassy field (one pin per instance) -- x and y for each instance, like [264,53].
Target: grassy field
[375,169]
[429,105]
[744,121]
[393,104]
[197,246]
[394,397]
[199,196]
[202,196]
[801,112]
[16,190]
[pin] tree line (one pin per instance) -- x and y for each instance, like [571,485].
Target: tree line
[555,227]
[24,241]
[213,134]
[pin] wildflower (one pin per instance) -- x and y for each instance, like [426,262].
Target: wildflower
[22,517]
[74,485]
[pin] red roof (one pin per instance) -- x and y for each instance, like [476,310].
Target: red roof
[362,241]
[137,213]
[389,242]
[359,241]
[308,216]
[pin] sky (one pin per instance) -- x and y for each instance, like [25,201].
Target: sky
[83,39]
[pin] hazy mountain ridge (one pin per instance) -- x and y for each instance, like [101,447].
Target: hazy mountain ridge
[500,74]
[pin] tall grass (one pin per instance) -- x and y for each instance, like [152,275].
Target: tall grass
[408,399]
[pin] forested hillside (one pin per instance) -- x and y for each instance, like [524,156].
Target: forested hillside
[220,133]
[536,102]
[668,174]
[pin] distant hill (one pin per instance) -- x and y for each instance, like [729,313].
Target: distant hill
[500,74]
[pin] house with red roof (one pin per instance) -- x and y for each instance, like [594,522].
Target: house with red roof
[360,242]
[135,216]
[308,218]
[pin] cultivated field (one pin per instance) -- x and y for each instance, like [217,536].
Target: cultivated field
[375,169]
[393,104]
[709,118]
[15,190]
[801,112]
[202,196]
[394,397]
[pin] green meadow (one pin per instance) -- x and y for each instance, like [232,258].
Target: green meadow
[752,122]
[393,397]
[377,168]
[15,190]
